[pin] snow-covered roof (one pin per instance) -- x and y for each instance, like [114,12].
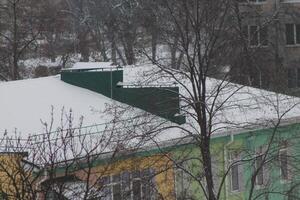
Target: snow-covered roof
[92,65]
[24,104]
[236,107]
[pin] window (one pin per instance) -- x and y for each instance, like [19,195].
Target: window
[283,159]
[293,77]
[290,1]
[257,1]
[261,168]
[183,182]
[256,35]
[134,185]
[235,177]
[252,1]
[235,172]
[284,162]
[260,174]
[292,34]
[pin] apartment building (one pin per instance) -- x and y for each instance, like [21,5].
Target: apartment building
[272,29]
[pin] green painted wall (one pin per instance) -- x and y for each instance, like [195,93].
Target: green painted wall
[247,144]
[161,101]
[98,81]
[188,156]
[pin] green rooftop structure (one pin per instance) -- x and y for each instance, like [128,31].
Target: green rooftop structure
[162,101]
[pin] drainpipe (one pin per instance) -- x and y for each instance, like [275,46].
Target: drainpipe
[225,163]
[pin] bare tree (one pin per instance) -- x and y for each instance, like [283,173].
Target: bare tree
[19,33]
[206,37]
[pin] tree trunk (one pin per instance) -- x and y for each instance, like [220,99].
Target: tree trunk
[15,67]
[154,38]
[129,54]
[206,157]
[174,51]
[113,49]
[83,46]
[129,50]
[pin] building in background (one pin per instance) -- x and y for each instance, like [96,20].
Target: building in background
[270,56]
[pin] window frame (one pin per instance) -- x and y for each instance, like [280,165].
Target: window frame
[182,180]
[256,2]
[289,1]
[260,152]
[234,160]
[259,30]
[293,77]
[284,148]
[111,184]
[260,172]
[235,166]
[296,28]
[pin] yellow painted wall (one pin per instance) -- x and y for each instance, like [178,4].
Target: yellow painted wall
[160,163]
[10,174]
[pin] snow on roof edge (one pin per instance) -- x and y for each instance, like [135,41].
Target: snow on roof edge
[92,65]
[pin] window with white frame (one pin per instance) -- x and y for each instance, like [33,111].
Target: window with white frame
[256,35]
[283,159]
[257,1]
[236,171]
[284,163]
[292,34]
[252,1]
[182,181]
[134,185]
[261,167]
[260,173]
[290,1]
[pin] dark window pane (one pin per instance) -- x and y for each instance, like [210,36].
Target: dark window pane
[146,190]
[245,32]
[284,164]
[116,178]
[105,193]
[253,36]
[104,180]
[125,176]
[260,173]
[148,185]
[291,78]
[289,34]
[298,33]
[136,174]
[235,177]
[264,36]
[146,173]
[117,192]
[136,188]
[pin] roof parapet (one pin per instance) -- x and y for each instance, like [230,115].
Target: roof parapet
[162,101]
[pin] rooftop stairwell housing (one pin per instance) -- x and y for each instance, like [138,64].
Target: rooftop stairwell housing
[160,101]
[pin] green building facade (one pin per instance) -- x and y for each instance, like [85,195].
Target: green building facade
[262,162]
